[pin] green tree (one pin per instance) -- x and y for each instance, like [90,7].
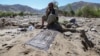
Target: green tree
[55,4]
[88,11]
[21,14]
[71,11]
[65,13]
[78,13]
[98,12]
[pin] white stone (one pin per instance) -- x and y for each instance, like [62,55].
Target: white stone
[67,33]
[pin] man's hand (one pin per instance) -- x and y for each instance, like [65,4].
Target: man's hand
[48,12]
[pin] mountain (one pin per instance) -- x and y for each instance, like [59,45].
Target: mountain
[43,11]
[17,8]
[77,5]
[24,8]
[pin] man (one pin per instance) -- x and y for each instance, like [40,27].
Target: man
[51,15]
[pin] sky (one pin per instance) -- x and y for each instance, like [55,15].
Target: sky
[40,4]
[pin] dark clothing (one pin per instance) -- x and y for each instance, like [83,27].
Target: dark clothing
[52,11]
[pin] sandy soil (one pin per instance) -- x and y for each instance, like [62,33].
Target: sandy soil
[12,42]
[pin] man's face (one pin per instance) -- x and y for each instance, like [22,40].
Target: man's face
[50,6]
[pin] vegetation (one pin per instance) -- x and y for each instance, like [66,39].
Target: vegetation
[12,14]
[86,11]
[21,14]
[71,11]
[6,14]
[55,4]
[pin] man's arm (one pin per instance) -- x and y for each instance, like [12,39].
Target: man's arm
[47,12]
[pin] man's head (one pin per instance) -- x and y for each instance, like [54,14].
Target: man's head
[51,5]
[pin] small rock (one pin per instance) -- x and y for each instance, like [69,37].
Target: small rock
[12,35]
[4,45]
[68,25]
[93,29]
[9,47]
[79,29]
[2,34]
[8,32]
[30,28]
[67,33]
[73,20]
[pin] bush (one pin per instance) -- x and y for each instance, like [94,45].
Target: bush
[7,14]
[21,14]
[88,11]
[78,13]
[65,13]
[71,11]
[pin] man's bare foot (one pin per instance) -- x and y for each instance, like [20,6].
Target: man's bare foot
[41,26]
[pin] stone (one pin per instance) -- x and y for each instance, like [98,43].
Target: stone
[67,33]
[93,29]
[30,28]
[73,21]
[2,34]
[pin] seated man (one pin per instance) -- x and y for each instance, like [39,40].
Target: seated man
[51,15]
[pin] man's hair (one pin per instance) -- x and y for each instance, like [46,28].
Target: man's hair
[51,3]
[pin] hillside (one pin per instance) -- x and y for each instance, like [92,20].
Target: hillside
[77,5]
[24,8]
[17,8]
[13,42]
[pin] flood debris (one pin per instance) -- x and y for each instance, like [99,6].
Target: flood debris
[82,40]
[43,39]
[86,43]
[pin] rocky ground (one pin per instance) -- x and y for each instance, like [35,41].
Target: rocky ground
[83,41]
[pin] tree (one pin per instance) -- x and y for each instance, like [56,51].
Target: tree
[55,4]
[98,12]
[21,14]
[65,13]
[71,11]
[78,13]
[89,11]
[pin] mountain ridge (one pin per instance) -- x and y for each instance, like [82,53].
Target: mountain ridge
[77,5]
[17,8]
[25,8]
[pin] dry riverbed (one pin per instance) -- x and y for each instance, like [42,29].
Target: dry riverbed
[13,42]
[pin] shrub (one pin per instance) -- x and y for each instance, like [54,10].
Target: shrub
[88,11]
